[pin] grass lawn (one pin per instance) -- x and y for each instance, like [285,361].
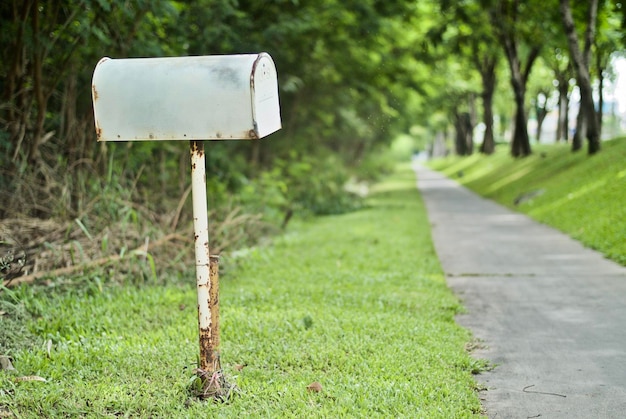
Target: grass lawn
[581,195]
[356,302]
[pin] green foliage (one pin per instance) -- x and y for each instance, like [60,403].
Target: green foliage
[303,185]
[338,96]
[581,196]
[356,302]
[375,166]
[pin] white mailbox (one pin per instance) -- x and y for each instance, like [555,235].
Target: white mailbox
[216,97]
[186,98]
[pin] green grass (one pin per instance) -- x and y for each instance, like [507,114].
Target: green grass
[583,196]
[357,302]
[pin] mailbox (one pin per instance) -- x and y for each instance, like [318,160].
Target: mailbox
[216,97]
[186,98]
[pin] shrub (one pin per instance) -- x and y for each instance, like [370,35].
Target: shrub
[301,185]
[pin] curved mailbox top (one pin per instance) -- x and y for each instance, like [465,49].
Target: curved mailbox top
[186,98]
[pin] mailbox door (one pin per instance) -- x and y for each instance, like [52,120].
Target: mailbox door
[266,108]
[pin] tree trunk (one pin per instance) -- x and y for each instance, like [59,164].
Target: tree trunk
[471,123]
[520,145]
[566,132]
[599,114]
[541,111]
[563,120]
[459,138]
[67,128]
[15,94]
[581,129]
[40,97]
[485,62]
[464,138]
[438,146]
[587,114]
[488,146]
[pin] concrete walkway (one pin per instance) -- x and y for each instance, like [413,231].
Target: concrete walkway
[550,314]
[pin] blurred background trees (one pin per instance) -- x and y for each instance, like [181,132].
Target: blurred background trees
[354,75]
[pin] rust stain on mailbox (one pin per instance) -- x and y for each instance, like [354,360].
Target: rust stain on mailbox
[186,98]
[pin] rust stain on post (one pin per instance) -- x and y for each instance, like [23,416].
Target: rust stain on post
[207,360]
[197,148]
[210,333]
[214,384]
[214,300]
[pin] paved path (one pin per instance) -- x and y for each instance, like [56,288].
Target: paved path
[550,313]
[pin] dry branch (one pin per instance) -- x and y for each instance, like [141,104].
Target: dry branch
[26,279]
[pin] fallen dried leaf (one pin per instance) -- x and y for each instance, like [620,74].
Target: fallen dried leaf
[5,413]
[30,378]
[314,386]
[239,367]
[5,363]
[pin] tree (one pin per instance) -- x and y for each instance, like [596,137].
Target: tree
[487,68]
[521,41]
[464,139]
[469,37]
[587,123]
[562,69]
[451,94]
[609,37]
[541,90]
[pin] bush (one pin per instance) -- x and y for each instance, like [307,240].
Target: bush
[301,185]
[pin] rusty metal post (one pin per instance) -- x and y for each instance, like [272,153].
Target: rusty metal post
[205,282]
